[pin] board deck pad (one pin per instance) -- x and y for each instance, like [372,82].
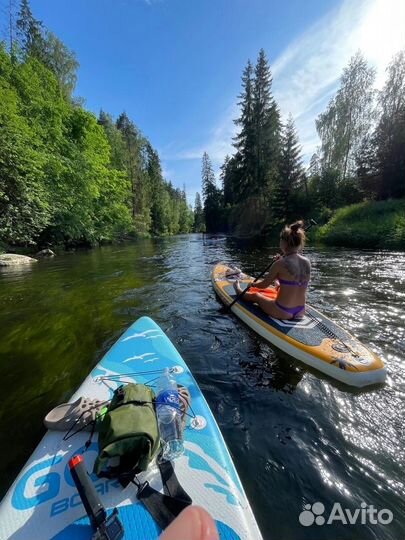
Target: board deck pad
[299,329]
[315,339]
[43,502]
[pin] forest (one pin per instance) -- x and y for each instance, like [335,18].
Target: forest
[70,178]
[361,156]
[67,177]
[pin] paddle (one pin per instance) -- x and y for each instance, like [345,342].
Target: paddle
[240,295]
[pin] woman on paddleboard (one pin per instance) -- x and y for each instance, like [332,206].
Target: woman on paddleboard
[291,272]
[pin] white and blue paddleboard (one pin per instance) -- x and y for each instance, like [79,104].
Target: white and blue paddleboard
[43,502]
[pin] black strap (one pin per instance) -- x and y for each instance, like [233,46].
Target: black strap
[164,508]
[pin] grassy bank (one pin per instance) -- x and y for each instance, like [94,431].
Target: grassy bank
[369,225]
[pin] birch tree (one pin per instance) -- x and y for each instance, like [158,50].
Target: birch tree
[348,117]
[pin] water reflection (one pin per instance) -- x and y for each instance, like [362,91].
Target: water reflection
[296,436]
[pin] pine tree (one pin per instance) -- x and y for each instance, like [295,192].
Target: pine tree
[116,140]
[208,177]
[314,167]
[212,196]
[291,161]
[312,174]
[131,137]
[244,142]
[198,214]
[183,212]
[10,31]
[229,176]
[367,163]
[290,173]
[266,121]
[30,32]
[156,183]
[327,192]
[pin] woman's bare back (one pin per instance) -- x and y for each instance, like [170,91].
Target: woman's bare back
[297,267]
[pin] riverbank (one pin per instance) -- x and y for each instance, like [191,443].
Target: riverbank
[371,224]
[32,249]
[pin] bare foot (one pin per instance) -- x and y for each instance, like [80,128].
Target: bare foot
[237,287]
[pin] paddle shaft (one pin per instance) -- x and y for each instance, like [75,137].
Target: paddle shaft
[241,294]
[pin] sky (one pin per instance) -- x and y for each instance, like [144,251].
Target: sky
[175,65]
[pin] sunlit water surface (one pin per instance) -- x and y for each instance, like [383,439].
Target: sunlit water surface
[295,436]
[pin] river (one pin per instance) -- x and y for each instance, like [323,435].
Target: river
[296,437]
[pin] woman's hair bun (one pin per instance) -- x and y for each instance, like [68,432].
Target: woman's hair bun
[294,234]
[296,226]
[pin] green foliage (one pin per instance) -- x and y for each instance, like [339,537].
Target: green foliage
[24,204]
[213,200]
[34,41]
[264,184]
[64,176]
[266,122]
[237,185]
[231,175]
[327,189]
[389,137]
[186,214]
[198,224]
[290,174]
[62,62]
[349,147]
[249,217]
[160,195]
[30,32]
[250,178]
[367,225]
[347,118]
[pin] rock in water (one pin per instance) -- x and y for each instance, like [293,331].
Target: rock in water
[45,254]
[11,259]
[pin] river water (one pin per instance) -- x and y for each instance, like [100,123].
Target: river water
[296,437]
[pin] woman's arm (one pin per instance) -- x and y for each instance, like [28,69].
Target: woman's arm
[271,276]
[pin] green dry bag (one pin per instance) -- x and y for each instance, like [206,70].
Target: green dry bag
[128,432]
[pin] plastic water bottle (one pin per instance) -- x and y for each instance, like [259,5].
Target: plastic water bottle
[169,417]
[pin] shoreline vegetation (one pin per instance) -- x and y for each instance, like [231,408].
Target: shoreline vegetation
[70,179]
[359,164]
[370,224]
[367,225]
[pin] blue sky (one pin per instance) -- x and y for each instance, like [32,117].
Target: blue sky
[174,65]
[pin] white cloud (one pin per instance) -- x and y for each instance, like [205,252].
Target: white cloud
[166,172]
[219,142]
[307,73]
